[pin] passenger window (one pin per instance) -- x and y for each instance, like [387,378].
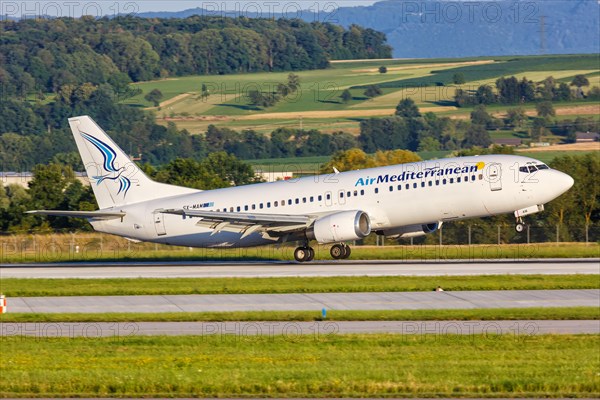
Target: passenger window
[430,183]
[289,202]
[480,176]
[320,198]
[415,185]
[304,199]
[422,184]
[407,186]
[245,208]
[444,181]
[391,188]
[261,206]
[451,180]
[458,180]
[341,195]
[399,187]
[268,204]
[276,204]
[254,206]
[328,196]
[312,199]
[348,194]
[297,201]
[437,183]
[376,190]
[355,193]
[239,209]
[362,192]
[473,178]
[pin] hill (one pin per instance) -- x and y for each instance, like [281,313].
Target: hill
[446,28]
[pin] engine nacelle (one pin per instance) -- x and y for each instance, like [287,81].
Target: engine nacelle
[411,231]
[341,226]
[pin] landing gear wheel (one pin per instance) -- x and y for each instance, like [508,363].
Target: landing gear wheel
[311,254]
[337,251]
[347,251]
[304,254]
[520,227]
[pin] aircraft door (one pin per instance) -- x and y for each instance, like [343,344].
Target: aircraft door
[495,176]
[159,223]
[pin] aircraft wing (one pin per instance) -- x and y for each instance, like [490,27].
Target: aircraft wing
[97,215]
[247,223]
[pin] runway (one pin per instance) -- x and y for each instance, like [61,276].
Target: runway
[289,269]
[291,330]
[307,302]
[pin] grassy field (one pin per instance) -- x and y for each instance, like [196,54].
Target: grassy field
[340,284]
[283,366]
[512,314]
[48,248]
[428,82]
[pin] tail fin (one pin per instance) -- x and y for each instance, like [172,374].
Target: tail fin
[115,179]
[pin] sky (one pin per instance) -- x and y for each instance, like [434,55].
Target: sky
[76,8]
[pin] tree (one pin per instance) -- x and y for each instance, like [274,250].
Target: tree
[154,96]
[476,135]
[538,128]
[485,95]
[383,69]
[346,96]
[260,99]
[205,92]
[579,81]
[480,116]
[373,91]
[293,82]
[545,109]
[407,108]
[458,78]
[357,159]
[516,116]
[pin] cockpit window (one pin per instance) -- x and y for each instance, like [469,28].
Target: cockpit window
[532,168]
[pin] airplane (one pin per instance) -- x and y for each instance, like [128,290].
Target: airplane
[397,201]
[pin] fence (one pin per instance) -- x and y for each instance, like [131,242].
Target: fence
[57,246]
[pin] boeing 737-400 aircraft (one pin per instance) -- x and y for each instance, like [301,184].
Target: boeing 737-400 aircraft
[404,200]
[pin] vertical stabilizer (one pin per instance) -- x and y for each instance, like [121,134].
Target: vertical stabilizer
[115,179]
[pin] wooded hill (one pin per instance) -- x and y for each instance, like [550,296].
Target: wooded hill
[42,55]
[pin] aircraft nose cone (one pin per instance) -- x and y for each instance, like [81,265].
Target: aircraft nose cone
[562,182]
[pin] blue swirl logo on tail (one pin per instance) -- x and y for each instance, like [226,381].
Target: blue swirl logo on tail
[109,156]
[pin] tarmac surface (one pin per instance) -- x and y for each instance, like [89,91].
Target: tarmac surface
[291,330]
[290,269]
[307,301]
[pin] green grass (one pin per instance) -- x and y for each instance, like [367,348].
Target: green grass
[550,313]
[547,156]
[308,366]
[13,287]
[97,248]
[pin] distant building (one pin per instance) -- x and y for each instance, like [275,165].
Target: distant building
[583,137]
[508,142]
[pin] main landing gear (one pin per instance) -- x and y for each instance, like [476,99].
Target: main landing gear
[306,253]
[340,251]
[520,226]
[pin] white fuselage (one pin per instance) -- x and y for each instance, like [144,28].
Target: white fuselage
[393,197]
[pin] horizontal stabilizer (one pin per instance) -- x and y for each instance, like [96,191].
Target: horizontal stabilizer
[97,215]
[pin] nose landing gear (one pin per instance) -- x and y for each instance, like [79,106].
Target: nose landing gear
[520,226]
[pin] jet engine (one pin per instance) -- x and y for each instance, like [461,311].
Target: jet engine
[341,226]
[410,231]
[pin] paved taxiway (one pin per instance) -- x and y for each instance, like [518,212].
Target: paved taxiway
[307,301]
[287,269]
[293,329]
